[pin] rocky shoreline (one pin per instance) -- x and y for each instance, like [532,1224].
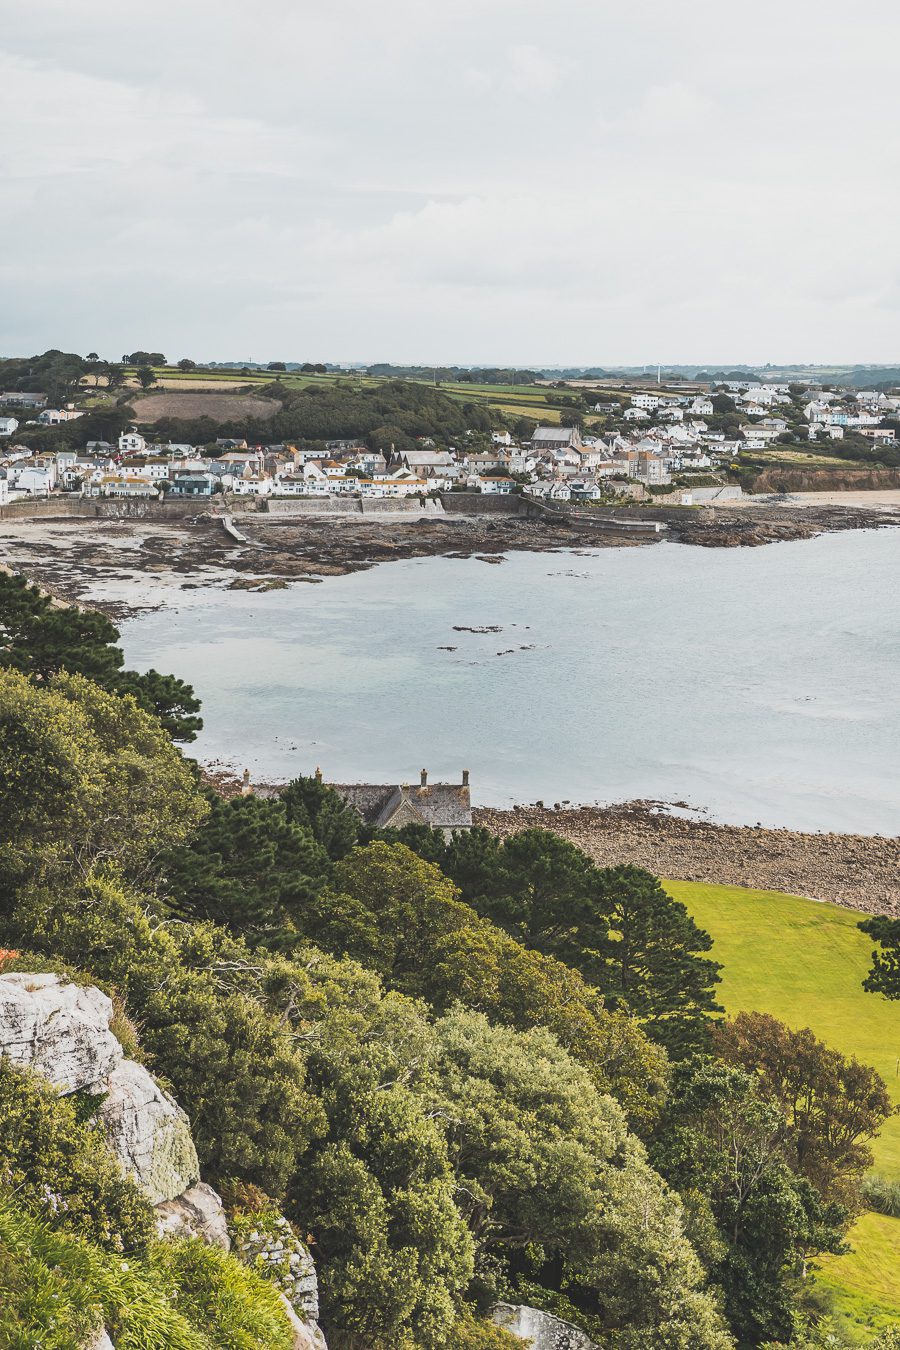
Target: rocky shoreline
[85,559]
[858,871]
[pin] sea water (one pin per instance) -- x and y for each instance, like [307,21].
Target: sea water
[757,684]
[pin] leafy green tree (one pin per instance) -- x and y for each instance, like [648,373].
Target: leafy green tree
[481,967]
[654,964]
[86,778]
[187,364]
[310,803]
[144,359]
[723,1143]
[616,925]
[146,376]
[377,1190]
[884,977]
[42,638]
[248,868]
[114,375]
[557,1193]
[399,915]
[833,1106]
[169,699]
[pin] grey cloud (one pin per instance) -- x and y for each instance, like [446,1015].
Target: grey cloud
[422,181]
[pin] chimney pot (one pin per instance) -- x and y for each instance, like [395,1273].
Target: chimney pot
[424,778]
[465,781]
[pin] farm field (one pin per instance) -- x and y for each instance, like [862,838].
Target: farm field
[221,406]
[514,400]
[804,962]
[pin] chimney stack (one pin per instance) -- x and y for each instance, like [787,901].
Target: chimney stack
[465,781]
[424,778]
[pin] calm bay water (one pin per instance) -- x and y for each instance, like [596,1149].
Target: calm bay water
[760,684]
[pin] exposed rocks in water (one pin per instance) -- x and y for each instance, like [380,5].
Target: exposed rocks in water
[858,871]
[75,556]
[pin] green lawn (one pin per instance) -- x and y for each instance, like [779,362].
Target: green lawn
[866,1284]
[804,962]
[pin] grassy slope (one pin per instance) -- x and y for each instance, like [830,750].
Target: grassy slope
[804,962]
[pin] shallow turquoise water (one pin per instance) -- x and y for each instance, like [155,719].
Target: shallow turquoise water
[760,684]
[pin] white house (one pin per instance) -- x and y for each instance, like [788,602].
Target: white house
[131,442]
[253,485]
[8,425]
[31,479]
[703,407]
[636,414]
[54,417]
[758,433]
[814,430]
[494,484]
[650,402]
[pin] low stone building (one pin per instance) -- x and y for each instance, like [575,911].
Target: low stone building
[442,806]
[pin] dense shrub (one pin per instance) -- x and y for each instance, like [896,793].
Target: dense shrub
[882,1195]
[52,1158]
[56,1288]
[85,778]
[234,1069]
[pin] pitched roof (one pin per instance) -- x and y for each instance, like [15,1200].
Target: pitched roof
[561,434]
[442,805]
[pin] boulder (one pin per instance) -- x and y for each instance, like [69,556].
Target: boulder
[543,1331]
[149,1133]
[100,1341]
[198,1213]
[307,1335]
[58,1029]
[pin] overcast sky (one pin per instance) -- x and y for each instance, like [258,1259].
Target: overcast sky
[497,181]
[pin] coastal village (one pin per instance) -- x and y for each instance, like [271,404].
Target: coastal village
[681,444]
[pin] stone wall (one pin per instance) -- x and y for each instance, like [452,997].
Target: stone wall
[92,508]
[483,503]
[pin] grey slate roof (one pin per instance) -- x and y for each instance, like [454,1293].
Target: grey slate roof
[445,806]
[561,434]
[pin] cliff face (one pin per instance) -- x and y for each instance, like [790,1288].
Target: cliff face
[62,1031]
[837,479]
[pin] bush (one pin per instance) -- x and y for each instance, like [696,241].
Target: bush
[58,1162]
[56,1289]
[231,1065]
[882,1195]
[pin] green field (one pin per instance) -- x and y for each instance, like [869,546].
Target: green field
[515,400]
[804,962]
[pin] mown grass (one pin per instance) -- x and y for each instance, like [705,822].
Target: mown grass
[804,962]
